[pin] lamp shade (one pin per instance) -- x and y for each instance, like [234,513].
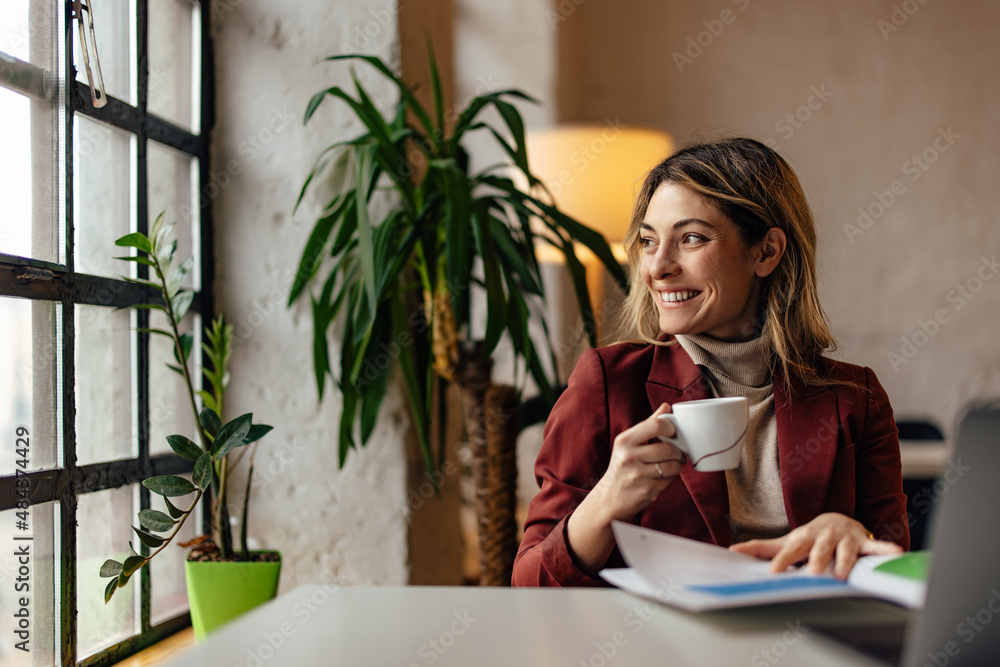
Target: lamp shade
[594,171]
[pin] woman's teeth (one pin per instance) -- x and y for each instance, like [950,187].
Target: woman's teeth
[672,297]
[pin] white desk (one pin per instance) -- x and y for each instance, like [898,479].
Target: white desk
[442,626]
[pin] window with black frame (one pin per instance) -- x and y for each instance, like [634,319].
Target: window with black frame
[104,119]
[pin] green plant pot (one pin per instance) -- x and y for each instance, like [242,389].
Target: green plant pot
[219,592]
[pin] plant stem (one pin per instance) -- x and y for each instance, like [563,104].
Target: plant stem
[222,515]
[177,527]
[246,506]
[180,352]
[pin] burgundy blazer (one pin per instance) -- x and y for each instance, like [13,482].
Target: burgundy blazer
[838,451]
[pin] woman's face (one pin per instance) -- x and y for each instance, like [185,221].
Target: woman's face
[700,274]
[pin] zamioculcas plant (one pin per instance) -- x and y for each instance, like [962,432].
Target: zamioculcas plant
[217,441]
[403,282]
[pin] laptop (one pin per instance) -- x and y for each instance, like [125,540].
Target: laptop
[960,623]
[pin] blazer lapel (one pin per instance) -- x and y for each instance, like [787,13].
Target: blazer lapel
[673,378]
[808,431]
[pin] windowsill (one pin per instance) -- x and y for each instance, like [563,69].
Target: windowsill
[162,651]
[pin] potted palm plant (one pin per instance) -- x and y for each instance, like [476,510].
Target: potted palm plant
[403,283]
[223,581]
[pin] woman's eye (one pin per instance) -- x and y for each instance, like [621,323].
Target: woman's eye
[693,238]
[645,243]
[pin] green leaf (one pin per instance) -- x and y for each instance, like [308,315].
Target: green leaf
[372,385]
[468,115]
[514,262]
[110,590]
[140,281]
[111,568]
[516,126]
[231,435]
[161,236]
[202,475]
[436,88]
[321,355]
[496,302]
[364,175]
[338,172]
[419,399]
[178,275]
[314,250]
[181,303]
[165,254]
[372,118]
[137,260]
[174,512]
[184,446]
[186,342]
[154,231]
[579,276]
[577,231]
[210,421]
[208,400]
[151,541]
[158,332]
[257,431]
[176,369]
[135,240]
[458,229]
[347,414]
[169,485]
[155,521]
[132,565]
[412,102]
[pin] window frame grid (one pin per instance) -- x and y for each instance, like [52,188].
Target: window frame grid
[59,283]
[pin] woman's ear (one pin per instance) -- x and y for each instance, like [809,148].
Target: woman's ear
[769,253]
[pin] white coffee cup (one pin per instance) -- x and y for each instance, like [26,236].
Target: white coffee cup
[710,431]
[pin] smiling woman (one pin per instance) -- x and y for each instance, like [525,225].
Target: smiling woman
[698,269]
[723,303]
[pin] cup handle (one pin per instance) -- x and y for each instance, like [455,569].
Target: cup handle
[678,440]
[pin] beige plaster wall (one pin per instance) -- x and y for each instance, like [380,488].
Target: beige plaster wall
[850,92]
[336,526]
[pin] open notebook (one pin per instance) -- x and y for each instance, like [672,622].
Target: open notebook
[697,576]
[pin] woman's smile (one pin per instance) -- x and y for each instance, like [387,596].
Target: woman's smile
[676,298]
[696,266]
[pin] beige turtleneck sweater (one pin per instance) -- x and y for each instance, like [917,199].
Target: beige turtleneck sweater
[756,504]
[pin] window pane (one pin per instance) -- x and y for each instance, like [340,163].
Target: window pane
[29,383]
[34,581]
[29,186]
[103,195]
[104,521]
[172,182]
[113,23]
[169,404]
[105,388]
[169,586]
[174,41]
[28,31]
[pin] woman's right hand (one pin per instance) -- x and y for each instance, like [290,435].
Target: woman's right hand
[641,467]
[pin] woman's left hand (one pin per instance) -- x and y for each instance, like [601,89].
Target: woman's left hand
[827,537]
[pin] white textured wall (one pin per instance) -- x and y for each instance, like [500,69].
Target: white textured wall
[885,94]
[332,526]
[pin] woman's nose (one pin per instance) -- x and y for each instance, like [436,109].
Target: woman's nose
[663,264]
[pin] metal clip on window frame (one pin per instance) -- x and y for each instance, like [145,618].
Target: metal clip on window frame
[97,94]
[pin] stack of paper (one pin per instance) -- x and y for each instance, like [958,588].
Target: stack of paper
[697,576]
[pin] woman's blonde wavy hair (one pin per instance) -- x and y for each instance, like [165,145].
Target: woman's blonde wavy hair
[756,189]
